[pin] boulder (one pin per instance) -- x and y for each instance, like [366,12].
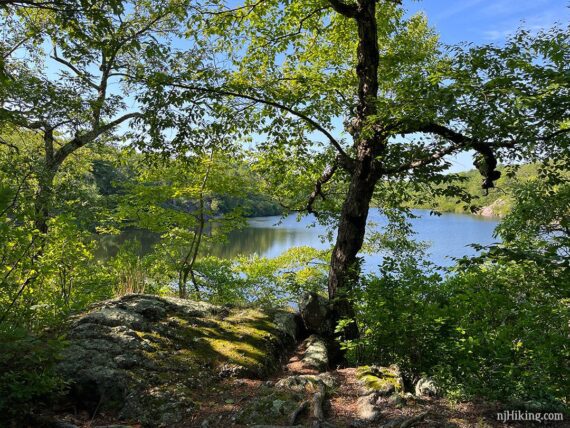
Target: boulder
[146,358]
[274,408]
[288,323]
[367,409]
[315,313]
[426,387]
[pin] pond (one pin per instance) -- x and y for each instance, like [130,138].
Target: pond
[449,236]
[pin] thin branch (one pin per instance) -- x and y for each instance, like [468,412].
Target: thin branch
[422,162]
[15,47]
[79,73]
[461,142]
[251,7]
[49,5]
[326,176]
[7,143]
[555,134]
[16,194]
[298,30]
[16,118]
[275,104]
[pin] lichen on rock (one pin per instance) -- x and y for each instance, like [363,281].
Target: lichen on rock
[316,353]
[146,358]
[307,383]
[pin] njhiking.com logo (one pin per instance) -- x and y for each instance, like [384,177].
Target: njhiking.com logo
[525,416]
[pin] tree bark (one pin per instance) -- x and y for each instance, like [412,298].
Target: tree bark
[344,267]
[43,202]
[46,178]
[368,144]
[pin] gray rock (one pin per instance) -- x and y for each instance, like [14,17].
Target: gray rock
[316,353]
[268,409]
[159,406]
[113,426]
[232,370]
[405,422]
[426,387]
[63,424]
[307,382]
[113,317]
[367,409]
[138,356]
[397,400]
[287,323]
[315,312]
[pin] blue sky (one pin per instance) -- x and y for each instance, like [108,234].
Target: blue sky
[484,21]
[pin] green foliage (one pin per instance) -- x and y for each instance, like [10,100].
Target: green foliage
[400,312]
[489,329]
[498,199]
[263,281]
[26,372]
[269,74]
[504,322]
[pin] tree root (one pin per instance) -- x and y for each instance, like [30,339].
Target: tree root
[318,401]
[405,422]
[302,407]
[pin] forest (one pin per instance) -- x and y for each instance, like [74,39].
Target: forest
[183,119]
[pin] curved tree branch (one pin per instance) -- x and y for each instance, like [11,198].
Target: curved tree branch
[327,174]
[277,105]
[345,9]
[486,162]
[86,138]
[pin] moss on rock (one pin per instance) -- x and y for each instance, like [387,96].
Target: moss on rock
[146,357]
[384,380]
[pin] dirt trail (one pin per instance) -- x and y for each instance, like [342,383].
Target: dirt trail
[341,406]
[242,402]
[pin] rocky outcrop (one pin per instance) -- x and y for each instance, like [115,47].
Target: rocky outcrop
[383,381]
[308,383]
[146,357]
[315,313]
[496,209]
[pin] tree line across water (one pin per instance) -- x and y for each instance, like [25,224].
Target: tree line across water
[184,117]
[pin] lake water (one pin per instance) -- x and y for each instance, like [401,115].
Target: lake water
[449,236]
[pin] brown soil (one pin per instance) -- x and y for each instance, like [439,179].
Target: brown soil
[221,403]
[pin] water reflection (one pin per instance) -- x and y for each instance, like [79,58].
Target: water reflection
[108,245]
[449,235]
[266,240]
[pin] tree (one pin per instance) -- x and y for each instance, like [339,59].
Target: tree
[179,199]
[295,67]
[70,102]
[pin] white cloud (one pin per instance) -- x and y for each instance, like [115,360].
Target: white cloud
[459,7]
[534,23]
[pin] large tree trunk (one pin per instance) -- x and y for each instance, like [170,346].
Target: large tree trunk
[42,204]
[344,267]
[368,144]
